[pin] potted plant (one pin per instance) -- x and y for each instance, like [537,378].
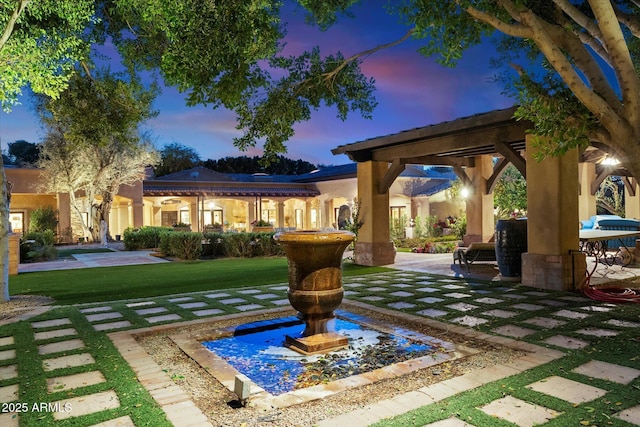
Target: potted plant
[181,226]
[261,226]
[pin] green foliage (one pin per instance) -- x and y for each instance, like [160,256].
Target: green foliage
[144,237]
[23,153]
[45,40]
[38,246]
[43,219]
[280,165]
[181,244]
[459,227]
[176,157]
[243,245]
[510,193]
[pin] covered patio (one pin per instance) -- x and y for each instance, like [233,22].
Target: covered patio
[561,190]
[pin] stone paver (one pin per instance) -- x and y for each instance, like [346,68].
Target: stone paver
[9,393]
[519,412]
[462,306]
[112,325]
[608,371]
[248,307]
[528,307]
[566,342]
[83,405]
[597,332]
[6,341]
[180,299]
[400,305]
[51,323]
[67,361]
[566,389]
[368,298]
[140,304]
[570,314]
[401,294]
[513,331]
[209,312]
[117,422]
[54,334]
[503,314]
[153,310]
[631,415]
[60,346]
[622,323]
[9,420]
[68,382]
[469,321]
[189,305]
[430,300]
[103,316]
[8,371]
[266,296]
[432,312]
[545,322]
[489,300]
[233,301]
[7,354]
[163,318]
[457,295]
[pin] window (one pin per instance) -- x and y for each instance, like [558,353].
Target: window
[16,219]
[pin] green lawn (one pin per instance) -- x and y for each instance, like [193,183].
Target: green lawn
[140,281]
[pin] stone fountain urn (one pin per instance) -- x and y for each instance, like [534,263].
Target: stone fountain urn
[315,285]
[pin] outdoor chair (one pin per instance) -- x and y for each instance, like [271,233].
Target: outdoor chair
[477,251]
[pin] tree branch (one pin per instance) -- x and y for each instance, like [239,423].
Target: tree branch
[620,58]
[628,20]
[22,5]
[581,19]
[508,29]
[330,76]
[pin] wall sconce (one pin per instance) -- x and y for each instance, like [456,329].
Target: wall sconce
[610,161]
[465,192]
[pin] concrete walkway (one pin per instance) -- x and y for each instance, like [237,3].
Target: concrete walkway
[560,325]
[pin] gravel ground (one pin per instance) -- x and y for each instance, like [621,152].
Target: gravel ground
[220,405]
[22,304]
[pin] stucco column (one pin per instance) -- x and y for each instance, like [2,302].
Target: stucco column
[63,206]
[632,203]
[553,260]
[586,200]
[479,204]
[327,214]
[374,246]
[308,207]
[251,213]
[279,214]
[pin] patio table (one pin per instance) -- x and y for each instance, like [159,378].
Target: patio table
[594,243]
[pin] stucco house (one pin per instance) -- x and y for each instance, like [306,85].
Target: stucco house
[204,198]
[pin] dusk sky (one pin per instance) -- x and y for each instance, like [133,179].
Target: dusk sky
[412,91]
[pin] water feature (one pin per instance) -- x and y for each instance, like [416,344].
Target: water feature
[256,350]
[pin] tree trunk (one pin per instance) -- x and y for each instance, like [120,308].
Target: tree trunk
[4,236]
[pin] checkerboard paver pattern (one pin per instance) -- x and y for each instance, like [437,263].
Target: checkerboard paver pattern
[558,321]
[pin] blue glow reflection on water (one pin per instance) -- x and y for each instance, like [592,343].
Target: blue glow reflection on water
[257,351]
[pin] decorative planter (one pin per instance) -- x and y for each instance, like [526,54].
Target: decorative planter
[511,243]
[262,229]
[315,285]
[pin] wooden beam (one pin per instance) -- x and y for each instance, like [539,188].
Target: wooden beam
[497,171]
[396,168]
[512,156]
[462,174]
[595,184]
[630,183]
[441,161]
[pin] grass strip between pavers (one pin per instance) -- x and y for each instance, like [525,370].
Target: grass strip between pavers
[622,349]
[135,400]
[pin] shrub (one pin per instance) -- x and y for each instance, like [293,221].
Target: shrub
[43,219]
[183,245]
[36,247]
[144,237]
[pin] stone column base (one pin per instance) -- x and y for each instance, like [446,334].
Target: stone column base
[14,254]
[555,272]
[375,254]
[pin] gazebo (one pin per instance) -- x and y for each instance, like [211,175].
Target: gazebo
[560,189]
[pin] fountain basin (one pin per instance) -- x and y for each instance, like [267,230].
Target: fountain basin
[315,286]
